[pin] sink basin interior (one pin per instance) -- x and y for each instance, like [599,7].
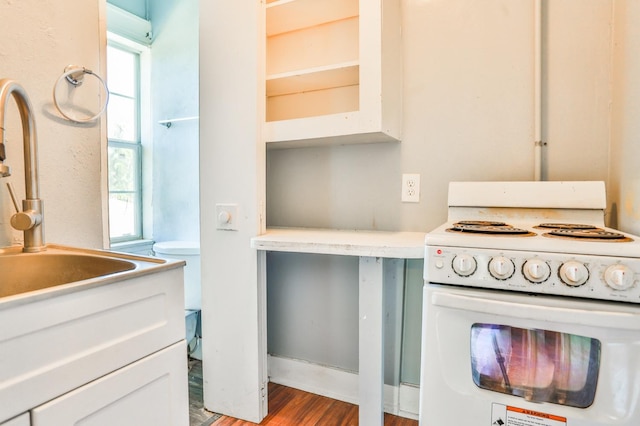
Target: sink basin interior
[24,272]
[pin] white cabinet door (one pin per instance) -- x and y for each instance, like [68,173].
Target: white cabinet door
[21,420]
[152,391]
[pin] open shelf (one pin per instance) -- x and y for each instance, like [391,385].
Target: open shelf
[320,78]
[330,43]
[333,72]
[291,15]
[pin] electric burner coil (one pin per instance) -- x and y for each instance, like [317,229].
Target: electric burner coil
[487,228]
[589,234]
[570,226]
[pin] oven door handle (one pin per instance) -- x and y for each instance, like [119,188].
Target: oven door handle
[594,318]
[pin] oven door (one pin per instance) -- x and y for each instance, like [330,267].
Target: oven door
[493,358]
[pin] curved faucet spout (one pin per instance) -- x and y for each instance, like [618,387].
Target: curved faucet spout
[32,205]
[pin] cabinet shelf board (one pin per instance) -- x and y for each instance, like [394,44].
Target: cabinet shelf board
[332,129]
[291,15]
[319,78]
[313,103]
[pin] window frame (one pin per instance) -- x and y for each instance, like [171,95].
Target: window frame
[142,223]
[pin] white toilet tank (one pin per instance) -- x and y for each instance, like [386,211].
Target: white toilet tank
[189,251]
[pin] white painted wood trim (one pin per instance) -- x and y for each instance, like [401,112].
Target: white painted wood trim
[320,380]
[262,333]
[339,384]
[371,341]
[128,25]
[408,401]
[400,245]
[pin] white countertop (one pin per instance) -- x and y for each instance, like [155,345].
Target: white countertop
[399,245]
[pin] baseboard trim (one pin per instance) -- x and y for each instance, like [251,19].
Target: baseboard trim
[409,397]
[338,384]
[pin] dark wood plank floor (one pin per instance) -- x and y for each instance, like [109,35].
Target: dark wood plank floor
[293,407]
[198,416]
[287,407]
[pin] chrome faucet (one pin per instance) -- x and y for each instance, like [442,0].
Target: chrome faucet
[30,219]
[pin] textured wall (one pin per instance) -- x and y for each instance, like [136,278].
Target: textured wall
[37,41]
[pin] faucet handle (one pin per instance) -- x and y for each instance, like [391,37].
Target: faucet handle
[12,192]
[22,220]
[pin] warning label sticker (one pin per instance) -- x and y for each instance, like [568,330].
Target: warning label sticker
[506,415]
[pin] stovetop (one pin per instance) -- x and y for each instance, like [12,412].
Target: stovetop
[579,231]
[517,237]
[548,237]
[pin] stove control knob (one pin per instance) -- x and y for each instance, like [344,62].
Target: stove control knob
[619,277]
[573,273]
[536,270]
[501,268]
[464,265]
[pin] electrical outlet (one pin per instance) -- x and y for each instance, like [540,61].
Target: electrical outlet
[410,188]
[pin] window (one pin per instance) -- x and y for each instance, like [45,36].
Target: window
[124,143]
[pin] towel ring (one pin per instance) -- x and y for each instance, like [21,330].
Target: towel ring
[75,76]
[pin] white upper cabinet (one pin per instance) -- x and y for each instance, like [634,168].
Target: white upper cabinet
[333,72]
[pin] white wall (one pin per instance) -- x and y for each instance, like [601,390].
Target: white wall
[137,7]
[624,185]
[174,89]
[578,75]
[37,41]
[468,115]
[231,171]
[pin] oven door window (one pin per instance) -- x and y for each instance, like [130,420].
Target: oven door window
[537,365]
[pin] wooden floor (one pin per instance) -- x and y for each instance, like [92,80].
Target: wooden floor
[287,407]
[198,416]
[293,407]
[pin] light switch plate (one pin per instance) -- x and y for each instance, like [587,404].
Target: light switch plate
[227,217]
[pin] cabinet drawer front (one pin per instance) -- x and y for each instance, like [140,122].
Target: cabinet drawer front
[152,391]
[23,420]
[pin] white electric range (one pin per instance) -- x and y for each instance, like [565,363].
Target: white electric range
[530,309]
[536,237]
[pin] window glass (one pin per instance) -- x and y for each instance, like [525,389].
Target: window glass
[124,199]
[124,148]
[538,365]
[122,215]
[122,169]
[120,65]
[122,118]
